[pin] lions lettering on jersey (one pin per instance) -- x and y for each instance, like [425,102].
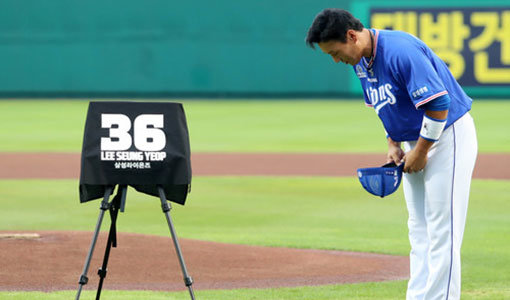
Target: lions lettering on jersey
[380,96]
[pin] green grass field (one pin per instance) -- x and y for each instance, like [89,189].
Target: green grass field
[249,126]
[300,212]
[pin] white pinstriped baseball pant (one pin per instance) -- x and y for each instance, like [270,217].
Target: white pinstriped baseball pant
[437,200]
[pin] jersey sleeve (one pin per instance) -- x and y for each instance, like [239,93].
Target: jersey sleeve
[415,70]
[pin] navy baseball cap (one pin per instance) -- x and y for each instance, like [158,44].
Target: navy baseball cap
[381,181]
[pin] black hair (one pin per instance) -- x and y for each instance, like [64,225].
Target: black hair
[331,24]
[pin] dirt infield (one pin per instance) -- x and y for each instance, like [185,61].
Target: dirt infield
[140,262]
[67,165]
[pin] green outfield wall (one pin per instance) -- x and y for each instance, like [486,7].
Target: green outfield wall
[221,48]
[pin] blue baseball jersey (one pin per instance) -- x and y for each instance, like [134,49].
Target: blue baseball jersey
[403,75]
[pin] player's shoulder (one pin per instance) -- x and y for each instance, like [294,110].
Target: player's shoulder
[395,41]
[398,46]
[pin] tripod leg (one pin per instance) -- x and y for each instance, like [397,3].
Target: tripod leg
[104,206]
[165,206]
[115,205]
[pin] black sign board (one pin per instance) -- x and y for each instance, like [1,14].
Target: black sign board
[141,144]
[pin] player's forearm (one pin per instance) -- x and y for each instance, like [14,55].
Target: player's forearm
[423,145]
[440,115]
[392,143]
[395,152]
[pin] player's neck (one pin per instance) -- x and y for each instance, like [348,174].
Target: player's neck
[368,49]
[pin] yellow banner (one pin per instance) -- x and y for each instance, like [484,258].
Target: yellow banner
[474,42]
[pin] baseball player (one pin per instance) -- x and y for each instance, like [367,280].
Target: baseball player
[423,109]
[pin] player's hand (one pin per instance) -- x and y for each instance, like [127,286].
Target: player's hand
[415,161]
[395,154]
